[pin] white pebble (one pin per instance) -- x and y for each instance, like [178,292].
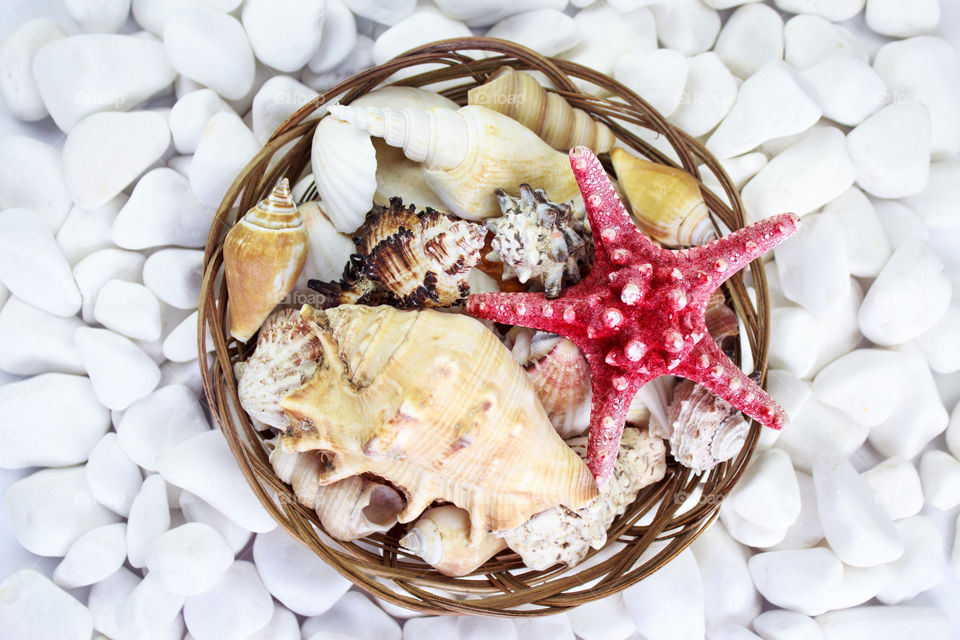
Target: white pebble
[732,632]
[33,341]
[767,493]
[729,596]
[190,115]
[820,430]
[922,564]
[836,10]
[896,487]
[188,559]
[603,619]
[85,231]
[356,616]
[359,59]
[120,371]
[149,517]
[18,89]
[885,623]
[196,510]
[669,603]
[106,596]
[891,151]
[909,296]
[278,99]
[788,390]
[338,39]
[813,264]
[226,63]
[546,31]
[234,608]
[658,76]
[858,529]
[205,466]
[162,210]
[152,14]
[804,580]
[748,533]
[49,510]
[847,89]
[865,384]
[100,267]
[687,26]
[936,203]
[552,627]
[81,75]
[33,608]
[295,575]
[283,625]
[159,422]
[32,265]
[105,16]
[708,95]
[180,345]
[771,104]
[95,555]
[859,585]
[31,177]
[805,531]
[751,37]
[149,611]
[284,34]
[105,152]
[793,340]
[225,147]
[893,18]
[174,275]
[129,309]
[113,478]
[839,327]
[471,628]
[413,31]
[867,246]
[388,13]
[940,474]
[953,432]
[955,556]
[779,624]
[811,39]
[901,224]
[436,628]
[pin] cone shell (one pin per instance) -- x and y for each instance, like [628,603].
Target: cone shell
[666,202]
[441,536]
[519,96]
[263,255]
[434,404]
[345,169]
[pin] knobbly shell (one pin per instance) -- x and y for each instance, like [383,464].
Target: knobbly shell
[441,536]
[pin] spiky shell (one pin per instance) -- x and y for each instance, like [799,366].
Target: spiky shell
[433,403]
[344,167]
[666,202]
[519,96]
[441,536]
[564,536]
[263,255]
[539,241]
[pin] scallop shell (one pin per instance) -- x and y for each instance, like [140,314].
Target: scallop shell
[330,250]
[345,170]
[434,404]
[441,536]
[263,255]
[519,96]
[666,202]
[469,153]
[563,535]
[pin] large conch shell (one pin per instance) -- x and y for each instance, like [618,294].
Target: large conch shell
[263,255]
[441,536]
[345,169]
[348,509]
[666,202]
[469,153]
[521,97]
[565,536]
[433,403]
[330,250]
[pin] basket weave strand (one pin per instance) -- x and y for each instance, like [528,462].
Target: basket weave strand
[662,521]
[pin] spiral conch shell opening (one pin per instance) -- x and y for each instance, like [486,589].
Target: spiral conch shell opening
[441,537]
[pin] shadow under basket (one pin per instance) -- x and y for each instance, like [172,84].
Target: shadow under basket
[666,516]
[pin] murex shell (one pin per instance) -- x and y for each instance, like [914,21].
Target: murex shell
[434,404]
[539,241]
[408,259]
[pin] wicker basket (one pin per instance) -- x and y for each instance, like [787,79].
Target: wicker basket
[660,524]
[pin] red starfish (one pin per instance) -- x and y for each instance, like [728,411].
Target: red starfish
[639,314]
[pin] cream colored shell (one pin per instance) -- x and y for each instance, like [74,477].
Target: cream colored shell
[345,169]
[441,536]
[329,249]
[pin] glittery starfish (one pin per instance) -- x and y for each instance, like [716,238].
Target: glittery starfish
[639,314]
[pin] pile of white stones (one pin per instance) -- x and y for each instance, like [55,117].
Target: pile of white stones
[841,526]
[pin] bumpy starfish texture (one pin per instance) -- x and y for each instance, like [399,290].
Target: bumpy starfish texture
[639,314]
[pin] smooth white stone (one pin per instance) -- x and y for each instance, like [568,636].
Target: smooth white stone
[129,309]
[553,627]
[283,625]
[211,48]
[953,432]
[175,275]
[820,430]
[896,487]
[388,13]
[49,510]
[149,517]
[955,556]
[225,147]
[847,89]
[739,169]
[120,371]
[621,35]
[181,343]
[747,533]
[732,632]
[413,31]
[546,31]
[205,466]
[235,607]
[669,603]
[338,38]
[95,555]
[813,264]
[805,531]
[857,528]
[31,177]
[804,580]
[729,596]
[162,210]
[33,341]
[791,393]
[937,88]
[482,13]
[708,95]
[359,59]
[767,493]
[100,267]
[106,596]
[32,265]
[922,564]
[181,164]
[284,34]
[940,474]
[885,623]
[603,619]
[114,479]
[839,327]
[478,628]
[188,559]
[936,203]
[893,18]
[277,100]
[909,296]
[891,151]
[261,73]
[18,89]
[435,628]
[295,575]
[190,115]
[836,10]
[771,104]
[658,76]
[149,611]
[196,510]
[356,616]
[4,294]
[779,624]
[687,26]
[86,231]
[105,16]
[859,585]
[867,246]
[751,37]
[159,422]
[152,14]
[33,608]
[793,340]
[105,152]
[81,75]
[50,420]
[865,384]
[811,39]
[901,224]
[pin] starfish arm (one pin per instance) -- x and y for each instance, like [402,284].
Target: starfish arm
[531,310]
[608,415]
[707,365]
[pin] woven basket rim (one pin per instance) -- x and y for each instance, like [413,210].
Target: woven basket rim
[500,587]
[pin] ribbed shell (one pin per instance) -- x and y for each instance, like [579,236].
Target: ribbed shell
[720,319]
[345,170]
[441,536]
